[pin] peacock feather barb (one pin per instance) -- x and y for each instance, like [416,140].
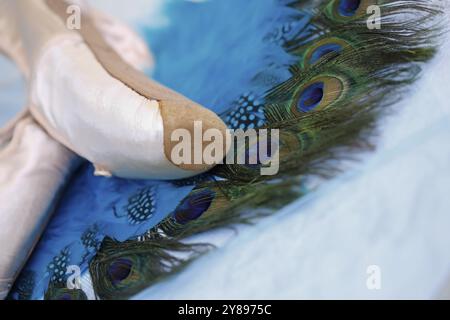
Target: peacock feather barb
[61,292]
[345,72]
[120,269]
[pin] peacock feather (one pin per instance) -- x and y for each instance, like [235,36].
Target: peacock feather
[331,79]
[60,292]
[121,269]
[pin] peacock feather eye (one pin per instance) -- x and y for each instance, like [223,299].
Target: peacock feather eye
[193,206]
[323,48]
[318,94]
[119,270]
[311,97]
[348,9]
[60,292]
[65,296]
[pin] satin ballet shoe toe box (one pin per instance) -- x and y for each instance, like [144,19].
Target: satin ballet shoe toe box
[167,140]
[183,119]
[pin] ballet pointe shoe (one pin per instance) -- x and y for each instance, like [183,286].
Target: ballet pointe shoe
[91,100]
[33,171]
